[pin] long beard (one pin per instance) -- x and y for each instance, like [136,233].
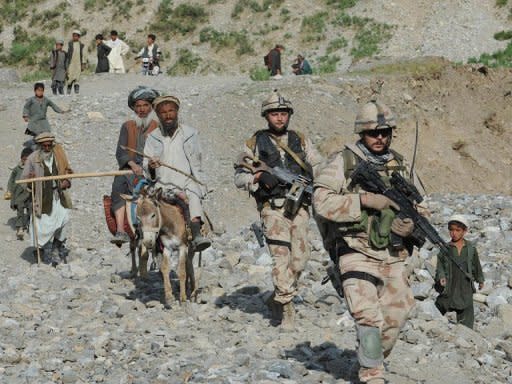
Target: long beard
[142,121]
[46,156]
[169,128]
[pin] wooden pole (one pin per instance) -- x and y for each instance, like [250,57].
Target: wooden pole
[34,228]
[76,176]
[163,164]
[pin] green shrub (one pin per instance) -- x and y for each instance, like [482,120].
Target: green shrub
[327,64]
[259,74]
[254,6]
[345,20]
[368,39]
[503,35]
[501,58]
[220,40]
[336,44]
[186,63]
[313,27]
[341,4]
[501,3]
[183,19]
[36,76]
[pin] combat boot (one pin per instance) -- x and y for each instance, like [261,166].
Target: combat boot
[199,242]
[288,323]
[77,89]
[69,90]
[276,308]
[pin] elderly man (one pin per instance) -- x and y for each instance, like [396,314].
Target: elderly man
[133,135]
[357,227]
[178,146]
[51,199]
[286,231]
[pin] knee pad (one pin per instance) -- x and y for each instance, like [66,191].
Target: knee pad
[370,346]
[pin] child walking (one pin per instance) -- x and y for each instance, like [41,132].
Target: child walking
[457,294]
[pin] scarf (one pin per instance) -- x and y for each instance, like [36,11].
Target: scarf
[374,158]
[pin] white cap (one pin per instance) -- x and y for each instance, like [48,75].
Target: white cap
[459,219]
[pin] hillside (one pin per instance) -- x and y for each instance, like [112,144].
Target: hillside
[231,36]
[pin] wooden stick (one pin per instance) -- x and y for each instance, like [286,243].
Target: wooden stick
[76,176]
[34,228]
[163,164]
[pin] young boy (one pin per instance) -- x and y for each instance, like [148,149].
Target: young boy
[458,289]
[58,63]
[34,111]
[19,196]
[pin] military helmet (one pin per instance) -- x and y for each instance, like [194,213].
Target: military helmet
[374,115]
[142,93]
[276,102]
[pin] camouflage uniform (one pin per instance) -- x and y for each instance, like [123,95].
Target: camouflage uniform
[375,282]
[286,237]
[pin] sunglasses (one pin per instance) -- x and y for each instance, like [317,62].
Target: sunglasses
[379,132]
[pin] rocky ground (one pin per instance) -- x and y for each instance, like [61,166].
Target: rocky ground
[87,322]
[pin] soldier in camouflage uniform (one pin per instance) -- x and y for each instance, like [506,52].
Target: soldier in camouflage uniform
[355,226]
[286,234]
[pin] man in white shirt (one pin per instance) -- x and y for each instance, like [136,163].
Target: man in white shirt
[115,57]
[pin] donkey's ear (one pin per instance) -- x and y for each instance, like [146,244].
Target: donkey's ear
[158,194]
[126,197]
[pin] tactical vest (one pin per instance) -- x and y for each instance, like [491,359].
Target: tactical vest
[268,152]
[376,224]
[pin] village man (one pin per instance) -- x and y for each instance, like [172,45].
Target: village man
[177,145]
[102,51]
[58,62]
[286,232]
[52,202]
[118,49]
[133,135]
[76,61]
[356,227]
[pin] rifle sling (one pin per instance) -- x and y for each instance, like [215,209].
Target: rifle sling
[292,154]
[449,257]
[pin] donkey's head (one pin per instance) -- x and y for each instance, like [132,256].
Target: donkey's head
[149,217]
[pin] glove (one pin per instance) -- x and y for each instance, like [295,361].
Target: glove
[268,180]
[377,202]
[402,227]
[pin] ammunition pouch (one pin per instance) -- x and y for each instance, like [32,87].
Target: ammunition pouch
[295,199]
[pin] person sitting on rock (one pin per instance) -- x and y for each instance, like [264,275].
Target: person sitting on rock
[301,66]
[458,288]
[19,196]
[133,135]
[177,145]
[52,203]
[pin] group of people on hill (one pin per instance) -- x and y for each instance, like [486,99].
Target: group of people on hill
[68,64]
[283,171]
[272,61]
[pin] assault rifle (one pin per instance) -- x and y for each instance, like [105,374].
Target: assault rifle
[300,188]
[406,196]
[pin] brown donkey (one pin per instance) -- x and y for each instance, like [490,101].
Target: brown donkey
[159,219]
